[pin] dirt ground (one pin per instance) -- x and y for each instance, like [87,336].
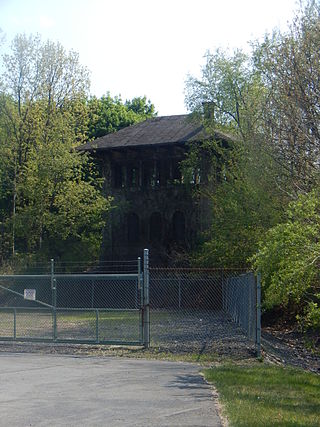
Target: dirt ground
[287,346]
[282,348]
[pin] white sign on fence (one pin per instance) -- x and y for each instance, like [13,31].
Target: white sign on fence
[30,294]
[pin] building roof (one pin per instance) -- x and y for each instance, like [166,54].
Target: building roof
[165,130]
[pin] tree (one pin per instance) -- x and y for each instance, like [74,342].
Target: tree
[63,210]
[240,187]
[141,107]
[289,260]
[109,114]
[43,118]
[289,64]
[231,88]
[263,187]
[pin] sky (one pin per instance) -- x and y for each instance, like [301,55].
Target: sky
[145,47]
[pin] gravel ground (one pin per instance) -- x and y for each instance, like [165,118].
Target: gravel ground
[287,347]
[199,332]
[185,333]
[176,332]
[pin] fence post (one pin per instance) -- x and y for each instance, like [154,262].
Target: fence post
[251,309]
[54,300]
[146,307]
[97,326]
[137,303]
[140,301]
[14,323]
[92,293]
[258,338]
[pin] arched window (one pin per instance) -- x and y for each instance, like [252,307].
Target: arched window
[155,227]
[178,227]
[133,226]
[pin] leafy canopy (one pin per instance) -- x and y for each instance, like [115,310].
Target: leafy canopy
[49,193]
[109,114]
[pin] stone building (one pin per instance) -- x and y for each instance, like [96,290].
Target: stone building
[154,206]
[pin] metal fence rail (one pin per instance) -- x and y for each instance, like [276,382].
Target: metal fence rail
[100,307]
[239,302]
[202,310]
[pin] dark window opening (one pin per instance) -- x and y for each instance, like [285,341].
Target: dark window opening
[118,181]
[163,173]
[178,227]
[155,227]
[147,174]
[176,173]
[133,177]
[155,176]
[133,228]
[151,174]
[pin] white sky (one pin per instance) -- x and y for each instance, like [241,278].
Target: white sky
[144,47]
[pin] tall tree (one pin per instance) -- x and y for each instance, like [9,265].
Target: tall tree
[230,88]
[44,117]
[289,64]
[288,258]
[240,185]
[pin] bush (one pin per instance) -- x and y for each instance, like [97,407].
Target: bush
[289,261]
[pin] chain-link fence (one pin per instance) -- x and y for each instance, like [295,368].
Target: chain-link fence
[98,307]
[203,310]
[239,302]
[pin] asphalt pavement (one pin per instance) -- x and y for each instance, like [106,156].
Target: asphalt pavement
[54,390]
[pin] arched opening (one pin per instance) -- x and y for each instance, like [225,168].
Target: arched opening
[155,227]
[178,227]
[133,226]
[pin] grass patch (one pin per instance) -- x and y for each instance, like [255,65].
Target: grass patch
[90,315]
[265,395]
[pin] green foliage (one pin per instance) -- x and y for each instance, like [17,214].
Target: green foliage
[109,114]
[240,183]
[243,203]
[311,316]
[232,89]
[50,199]
[289,65]
[51,202]
[57,203]
[289,260]
[141,107]
[270,103]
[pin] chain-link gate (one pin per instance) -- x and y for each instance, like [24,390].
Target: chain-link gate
[193,310]
[101,308]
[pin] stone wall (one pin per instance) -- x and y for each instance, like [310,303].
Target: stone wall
[154,208]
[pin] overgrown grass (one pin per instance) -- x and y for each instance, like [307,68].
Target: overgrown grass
[264,395]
